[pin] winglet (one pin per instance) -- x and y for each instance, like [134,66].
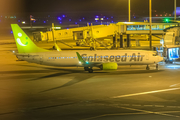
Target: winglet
[80,58]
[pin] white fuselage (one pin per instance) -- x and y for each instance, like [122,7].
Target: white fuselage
[69,58]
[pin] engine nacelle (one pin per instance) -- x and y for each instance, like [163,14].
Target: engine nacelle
[109,66]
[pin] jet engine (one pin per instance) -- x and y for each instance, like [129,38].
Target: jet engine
[109,66]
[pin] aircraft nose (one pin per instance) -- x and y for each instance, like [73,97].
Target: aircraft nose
[161,58]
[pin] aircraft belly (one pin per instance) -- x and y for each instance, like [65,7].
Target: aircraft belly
[61,62]
[135,63]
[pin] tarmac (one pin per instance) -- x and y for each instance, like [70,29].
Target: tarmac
[34,92]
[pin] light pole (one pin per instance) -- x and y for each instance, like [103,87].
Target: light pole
[150,24]
[174,9]
[129,9]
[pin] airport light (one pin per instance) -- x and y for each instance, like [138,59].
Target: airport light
[56,28]
[167,20]
[59,18]
[174,9]
[129,8]
[150,23]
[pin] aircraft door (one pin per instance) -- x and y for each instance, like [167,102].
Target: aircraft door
[41,59]
[147,56]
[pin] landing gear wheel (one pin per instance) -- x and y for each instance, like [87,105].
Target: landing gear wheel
[91,48]
[90,70]
[77,44]
[157,66]
[101,67]
[86,68]
[147,68]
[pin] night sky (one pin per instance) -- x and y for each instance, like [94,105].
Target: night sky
[116,6]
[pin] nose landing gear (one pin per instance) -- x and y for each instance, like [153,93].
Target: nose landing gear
[157,66]
[147,68]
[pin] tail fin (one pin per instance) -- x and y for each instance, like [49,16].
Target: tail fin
[23,42]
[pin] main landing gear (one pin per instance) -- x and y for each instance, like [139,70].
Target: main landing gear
[88,69]
[147,68]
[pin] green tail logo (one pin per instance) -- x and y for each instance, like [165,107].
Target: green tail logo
[19,40]
[23,42]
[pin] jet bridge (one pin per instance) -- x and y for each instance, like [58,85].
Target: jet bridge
[121,34]
[171,44]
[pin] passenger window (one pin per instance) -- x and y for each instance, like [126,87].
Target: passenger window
[53,57]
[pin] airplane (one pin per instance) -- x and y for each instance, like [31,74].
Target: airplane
[104,59]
